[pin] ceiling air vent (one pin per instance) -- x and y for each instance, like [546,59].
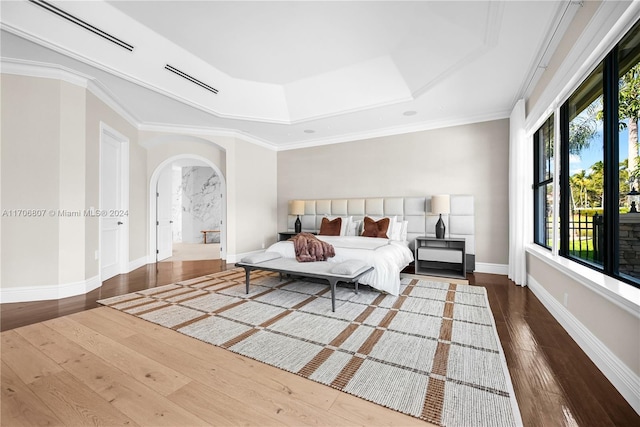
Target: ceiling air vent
[69,17]
[191,79]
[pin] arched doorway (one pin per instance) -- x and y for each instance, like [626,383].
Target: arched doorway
[202,207]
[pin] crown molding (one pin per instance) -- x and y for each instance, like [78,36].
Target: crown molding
[206,131]
[58,72]
[396,130]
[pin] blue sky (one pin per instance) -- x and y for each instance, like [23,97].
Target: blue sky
[594,153]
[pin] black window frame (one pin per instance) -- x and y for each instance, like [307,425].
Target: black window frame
[609,68]
[541,182]
[611,214]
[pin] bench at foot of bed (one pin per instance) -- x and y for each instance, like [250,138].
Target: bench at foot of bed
[349,271]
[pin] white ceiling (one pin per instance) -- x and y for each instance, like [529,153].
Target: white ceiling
[293,74]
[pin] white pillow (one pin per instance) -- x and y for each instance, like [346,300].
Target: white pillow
[353,228]
[403,233]
[398,230]
[260,257]
[343,224]
[349,267]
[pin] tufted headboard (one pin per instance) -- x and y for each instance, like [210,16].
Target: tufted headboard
[415,210]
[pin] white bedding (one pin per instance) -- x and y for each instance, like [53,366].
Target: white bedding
[388,257]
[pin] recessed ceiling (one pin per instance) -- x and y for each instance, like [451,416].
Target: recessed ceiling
[346,70]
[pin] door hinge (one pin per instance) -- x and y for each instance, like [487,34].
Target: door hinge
[157,222]
[157,194]
[157,251]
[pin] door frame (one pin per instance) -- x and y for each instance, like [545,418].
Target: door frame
[153,184]
[123,231]
[167,170]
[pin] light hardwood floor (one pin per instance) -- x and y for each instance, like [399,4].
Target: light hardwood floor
[104,367]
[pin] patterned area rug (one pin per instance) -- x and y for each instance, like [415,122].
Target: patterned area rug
[433,352]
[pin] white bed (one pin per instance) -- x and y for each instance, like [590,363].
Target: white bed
[388,257]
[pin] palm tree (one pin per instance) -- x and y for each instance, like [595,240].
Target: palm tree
[575,188]
[583,127]
[629,109]
[595,184]
[623,185]
[578,189]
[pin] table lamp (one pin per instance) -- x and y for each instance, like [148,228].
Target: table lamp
[297,208]
[440,205]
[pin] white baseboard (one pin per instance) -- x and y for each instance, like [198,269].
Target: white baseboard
[621,376]
[486,267]
[59,291]
[48,292]
[137,263]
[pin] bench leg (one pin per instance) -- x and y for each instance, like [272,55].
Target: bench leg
[247,277]
[333,282]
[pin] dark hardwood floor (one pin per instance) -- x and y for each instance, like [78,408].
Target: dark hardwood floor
[555,383]
[14,315]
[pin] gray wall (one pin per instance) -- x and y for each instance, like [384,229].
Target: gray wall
[470,159]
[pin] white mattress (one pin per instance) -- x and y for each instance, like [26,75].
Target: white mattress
[388,257]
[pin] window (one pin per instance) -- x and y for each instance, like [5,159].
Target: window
[582,207]
[543,184]
[628,242]
[599,166]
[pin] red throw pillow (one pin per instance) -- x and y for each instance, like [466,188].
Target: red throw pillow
[375,228]
[330,228]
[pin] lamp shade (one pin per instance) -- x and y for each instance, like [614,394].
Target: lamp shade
[440,204]
[297,207]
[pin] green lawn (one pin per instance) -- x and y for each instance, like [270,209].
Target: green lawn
[586,246]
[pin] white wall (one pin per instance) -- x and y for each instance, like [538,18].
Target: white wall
[30,180]
[470,159]
[50,164]
[250,180]
[50,161]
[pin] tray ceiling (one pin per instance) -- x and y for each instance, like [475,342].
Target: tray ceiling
[291,74]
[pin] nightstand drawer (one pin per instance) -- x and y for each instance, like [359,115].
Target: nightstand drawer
[440,255]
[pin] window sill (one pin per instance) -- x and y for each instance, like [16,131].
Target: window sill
[620,293]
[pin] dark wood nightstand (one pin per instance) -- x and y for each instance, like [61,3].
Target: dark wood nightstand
[441,257]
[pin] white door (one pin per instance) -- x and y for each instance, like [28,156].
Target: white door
[110,206]
[163,212]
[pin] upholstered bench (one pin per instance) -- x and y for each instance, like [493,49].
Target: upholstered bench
[348,271]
